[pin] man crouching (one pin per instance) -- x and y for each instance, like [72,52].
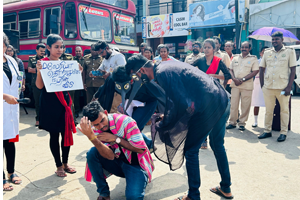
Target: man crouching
[119,149]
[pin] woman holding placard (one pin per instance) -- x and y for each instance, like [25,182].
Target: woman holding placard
[55,111]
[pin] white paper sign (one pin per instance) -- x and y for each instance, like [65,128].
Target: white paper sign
[61,75]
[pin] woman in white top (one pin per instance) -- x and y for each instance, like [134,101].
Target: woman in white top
[257,94]
[12,81]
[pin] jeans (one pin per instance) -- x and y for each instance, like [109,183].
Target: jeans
[216,141]
[142,115]
[136,177]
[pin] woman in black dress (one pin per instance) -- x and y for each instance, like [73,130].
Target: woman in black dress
[212,65]
[55,112]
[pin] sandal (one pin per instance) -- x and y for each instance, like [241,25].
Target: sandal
[9,188]
[220,193]
[184,197]
[17,182]
[204,145]
[61,173]
[70,170]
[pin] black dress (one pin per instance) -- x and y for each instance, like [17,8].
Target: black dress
[52,112]
[194,104]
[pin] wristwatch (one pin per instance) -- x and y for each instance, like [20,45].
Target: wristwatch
[244,79]
[118,140]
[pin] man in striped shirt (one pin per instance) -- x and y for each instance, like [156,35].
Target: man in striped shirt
[119,149]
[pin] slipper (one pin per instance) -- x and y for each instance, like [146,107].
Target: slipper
[100,197]
[14,181]
[60,173]
[218,192]
[9,188]
[70,170]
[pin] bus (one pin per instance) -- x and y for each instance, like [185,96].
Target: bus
[78,22]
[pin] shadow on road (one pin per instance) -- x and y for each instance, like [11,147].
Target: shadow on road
[39,189]
[290,147]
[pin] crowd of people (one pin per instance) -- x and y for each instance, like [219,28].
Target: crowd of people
[187,102]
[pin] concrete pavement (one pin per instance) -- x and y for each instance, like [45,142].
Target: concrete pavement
[260,169]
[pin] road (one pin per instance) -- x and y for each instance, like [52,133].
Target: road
[260,169]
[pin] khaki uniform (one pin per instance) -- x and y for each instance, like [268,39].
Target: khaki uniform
[242,67]
[225,59]
[92,84]
[276,79]
[36,91]
[78,92]
[191,58]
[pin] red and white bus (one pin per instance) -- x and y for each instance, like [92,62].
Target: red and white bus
[78,22]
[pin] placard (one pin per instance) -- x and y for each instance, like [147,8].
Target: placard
[61,75]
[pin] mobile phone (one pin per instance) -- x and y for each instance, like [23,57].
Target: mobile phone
[97,73]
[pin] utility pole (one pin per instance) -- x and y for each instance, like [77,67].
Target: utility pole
[237,27]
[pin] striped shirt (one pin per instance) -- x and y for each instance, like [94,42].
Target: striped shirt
[125,127]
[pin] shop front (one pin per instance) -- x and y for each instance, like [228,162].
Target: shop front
[215,18]
[169,29]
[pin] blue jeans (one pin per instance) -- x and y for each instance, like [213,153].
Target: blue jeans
[216,141]
[142,115]
[136,177]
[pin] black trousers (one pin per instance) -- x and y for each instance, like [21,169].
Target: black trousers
[54,147]
[10,154]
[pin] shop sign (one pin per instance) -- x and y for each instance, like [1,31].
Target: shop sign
[210,13]
[166,25]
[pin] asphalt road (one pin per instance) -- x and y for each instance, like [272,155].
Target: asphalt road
[260,169]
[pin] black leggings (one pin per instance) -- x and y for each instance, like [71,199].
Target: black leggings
[10,154]
[54,147]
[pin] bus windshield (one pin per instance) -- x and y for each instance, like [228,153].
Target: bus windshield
[124,30]
[94,23]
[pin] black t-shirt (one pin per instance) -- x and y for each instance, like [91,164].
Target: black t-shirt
[134,158]
[7,71]
[202,65]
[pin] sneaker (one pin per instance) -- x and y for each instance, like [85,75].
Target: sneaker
[242,128]
[254,125]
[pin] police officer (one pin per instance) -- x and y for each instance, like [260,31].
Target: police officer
[66,56]
[242,69]
[91,62]
[79,58]
[280,65]
[40,53]
[223,55]
[196,53]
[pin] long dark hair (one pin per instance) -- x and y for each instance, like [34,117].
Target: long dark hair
[51,39]
[202,13]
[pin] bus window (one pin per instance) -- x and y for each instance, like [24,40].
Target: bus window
[71,24]
[94,23]
[51,11]
[124,29]
[118,3]
[29,24]
[9,21]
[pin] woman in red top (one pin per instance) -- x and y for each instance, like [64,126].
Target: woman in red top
[55,112]
[212,65]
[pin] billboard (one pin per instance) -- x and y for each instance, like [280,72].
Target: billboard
[166,25]
[211,13]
